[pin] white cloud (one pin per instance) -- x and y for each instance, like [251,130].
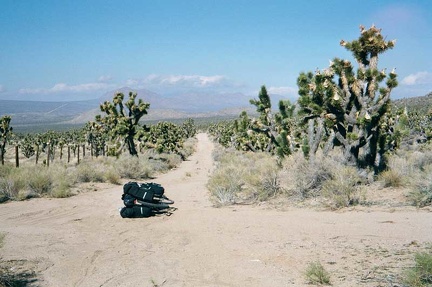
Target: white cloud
[62,87]
[181,81]
[283,91]
[2,89]
[104,78]
[417,79]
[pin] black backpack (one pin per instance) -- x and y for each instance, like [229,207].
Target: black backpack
[147,192]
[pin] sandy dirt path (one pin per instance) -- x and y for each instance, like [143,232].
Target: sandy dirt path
[83,241]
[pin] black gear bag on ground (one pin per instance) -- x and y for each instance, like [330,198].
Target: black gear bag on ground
[144,200]
[136,211]
[147,192]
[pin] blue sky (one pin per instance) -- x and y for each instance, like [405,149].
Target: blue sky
[74,50]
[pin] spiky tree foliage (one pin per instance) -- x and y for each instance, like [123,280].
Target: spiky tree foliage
[277,128]
[164,137]
[122,119]
[5,134]
[96,137]
[347,107]
[50,140]
[223,132]
[189,128]
[244,138]
[27,146]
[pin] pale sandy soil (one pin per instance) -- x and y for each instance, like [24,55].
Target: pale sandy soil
[83,241]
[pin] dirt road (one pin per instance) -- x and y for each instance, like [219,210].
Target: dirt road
[83,241]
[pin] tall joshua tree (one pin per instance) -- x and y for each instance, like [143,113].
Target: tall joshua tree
[348,108]
[122,119]
[277,128]
[5,133]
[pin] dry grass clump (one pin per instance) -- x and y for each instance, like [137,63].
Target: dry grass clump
[40,182]
[324,176]
[344,187]
[411,169]
[162,162]
[421,274]
[224,185]
[421,192]
[188,147]
[304,178]
[133,167]
[243,177]
[90,171]
[391,178]
[2,237]
[9,188]
[262,177]
[316,274]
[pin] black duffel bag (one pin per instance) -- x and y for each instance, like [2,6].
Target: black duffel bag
[146,192]
[136,211]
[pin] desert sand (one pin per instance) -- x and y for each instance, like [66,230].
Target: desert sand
[83,241]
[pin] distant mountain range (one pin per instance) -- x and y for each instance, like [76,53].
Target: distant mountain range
[195,105]
[162,107]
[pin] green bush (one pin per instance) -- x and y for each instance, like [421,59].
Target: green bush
[421,274]
[316,274]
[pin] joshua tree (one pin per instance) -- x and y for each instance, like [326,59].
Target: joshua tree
[278,127]
[348,108]
[96,137]
[5,133]
[122,123]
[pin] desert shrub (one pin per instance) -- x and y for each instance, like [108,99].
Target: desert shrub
[304,177]
[316,274]
[243,177]
[112,176]
[262,177]
[16,276]
[391,178]
[61,189]
[133,167]
[343,188]
[401,167]
[421,274]
[421,194]
[5,170]
[224,185]
[218,153]
[188,148]
[8,189]
[165,161]
[2,237]
[89,172]
[40,182]
[419,160]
